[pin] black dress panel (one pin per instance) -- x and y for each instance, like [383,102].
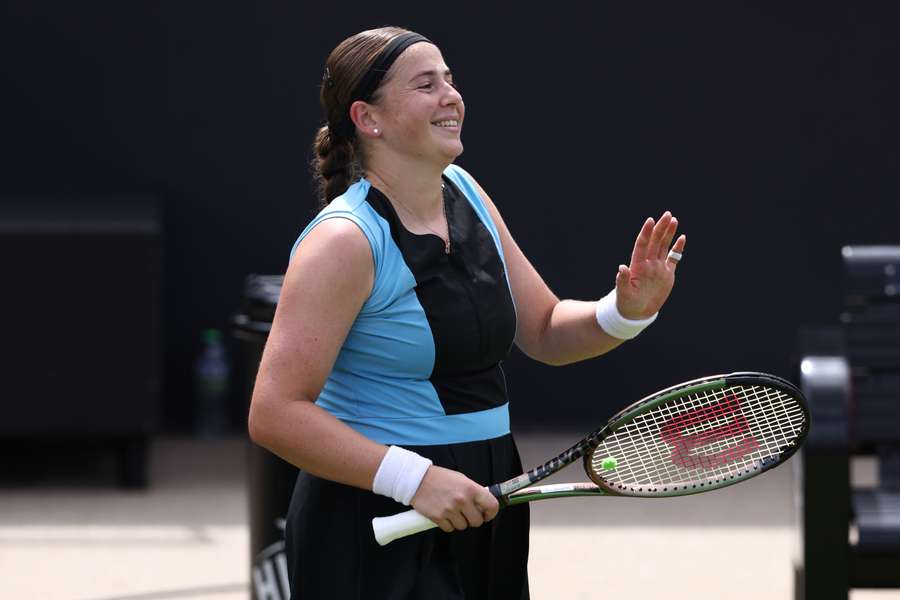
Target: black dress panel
[466,300]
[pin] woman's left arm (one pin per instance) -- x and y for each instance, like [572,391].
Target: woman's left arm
[559,332]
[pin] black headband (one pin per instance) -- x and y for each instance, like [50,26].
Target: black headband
[373,77]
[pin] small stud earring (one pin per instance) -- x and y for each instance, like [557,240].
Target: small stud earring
[375,131]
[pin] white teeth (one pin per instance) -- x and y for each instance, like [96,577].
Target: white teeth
[447,123]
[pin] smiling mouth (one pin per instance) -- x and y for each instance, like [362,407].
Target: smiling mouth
[449,124]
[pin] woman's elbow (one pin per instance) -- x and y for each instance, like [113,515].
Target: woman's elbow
[539,354]
[256,421]
[269,411]
[555,361]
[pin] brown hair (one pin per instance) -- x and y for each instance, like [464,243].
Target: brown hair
[338,160]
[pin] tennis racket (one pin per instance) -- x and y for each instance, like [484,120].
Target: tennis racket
[694,437]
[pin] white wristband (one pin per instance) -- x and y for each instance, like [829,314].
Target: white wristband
[613,323]
[400,474]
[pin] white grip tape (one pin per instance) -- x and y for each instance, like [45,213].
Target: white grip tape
[388,529]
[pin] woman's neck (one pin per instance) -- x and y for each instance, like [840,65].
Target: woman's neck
[416,189]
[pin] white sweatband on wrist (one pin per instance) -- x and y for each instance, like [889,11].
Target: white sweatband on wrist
[400,474]
[612,322]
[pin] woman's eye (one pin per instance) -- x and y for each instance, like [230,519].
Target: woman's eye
[430,85]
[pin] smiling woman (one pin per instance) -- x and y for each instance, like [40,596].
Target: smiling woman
[356,96]
[382,372]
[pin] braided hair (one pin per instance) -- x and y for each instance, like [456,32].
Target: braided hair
[338,160]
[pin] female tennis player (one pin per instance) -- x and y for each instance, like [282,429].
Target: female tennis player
[382,377]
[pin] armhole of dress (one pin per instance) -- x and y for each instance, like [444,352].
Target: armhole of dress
[363,226]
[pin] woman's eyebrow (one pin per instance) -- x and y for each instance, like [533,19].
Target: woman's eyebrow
[430,73]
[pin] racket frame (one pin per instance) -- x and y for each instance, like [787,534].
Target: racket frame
[516,490]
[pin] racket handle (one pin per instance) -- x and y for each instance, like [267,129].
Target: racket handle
[388,529]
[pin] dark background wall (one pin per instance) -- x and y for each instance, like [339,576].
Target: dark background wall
[770,130]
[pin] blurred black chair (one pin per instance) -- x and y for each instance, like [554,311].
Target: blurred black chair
[850,374]
[81,305]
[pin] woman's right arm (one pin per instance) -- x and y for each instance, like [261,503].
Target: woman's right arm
[328,280]
[326,284]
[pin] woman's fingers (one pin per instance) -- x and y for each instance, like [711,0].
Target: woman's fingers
[658,234]
[623,275]
[473,515]
[639,254]
[679,248]
[445,525]
[667,238]
[458,520]
[654,239]
[480,508]
[487,504]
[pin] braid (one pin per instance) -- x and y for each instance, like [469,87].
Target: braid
[335,166]
[338,152]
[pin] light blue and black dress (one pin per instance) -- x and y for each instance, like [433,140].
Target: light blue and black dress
[420,368]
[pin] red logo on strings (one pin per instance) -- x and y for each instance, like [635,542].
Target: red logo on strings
[728,408]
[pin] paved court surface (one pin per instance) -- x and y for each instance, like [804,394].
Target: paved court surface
[66,533]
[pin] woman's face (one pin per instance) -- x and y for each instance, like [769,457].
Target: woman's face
[419,110]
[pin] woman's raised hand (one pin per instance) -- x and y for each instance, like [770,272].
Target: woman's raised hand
[643,286]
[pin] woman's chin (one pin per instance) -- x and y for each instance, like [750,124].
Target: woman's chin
[443,151]
[452,150]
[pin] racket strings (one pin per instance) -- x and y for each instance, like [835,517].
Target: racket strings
[705,436]
[719,440]
[714,444]
[769,430]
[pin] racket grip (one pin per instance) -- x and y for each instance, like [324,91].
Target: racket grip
[388,529]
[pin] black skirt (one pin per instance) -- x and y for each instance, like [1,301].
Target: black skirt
[332,553]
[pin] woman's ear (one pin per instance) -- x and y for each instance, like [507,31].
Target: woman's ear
[366,123]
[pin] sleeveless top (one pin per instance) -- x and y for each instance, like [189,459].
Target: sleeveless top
[421,364]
